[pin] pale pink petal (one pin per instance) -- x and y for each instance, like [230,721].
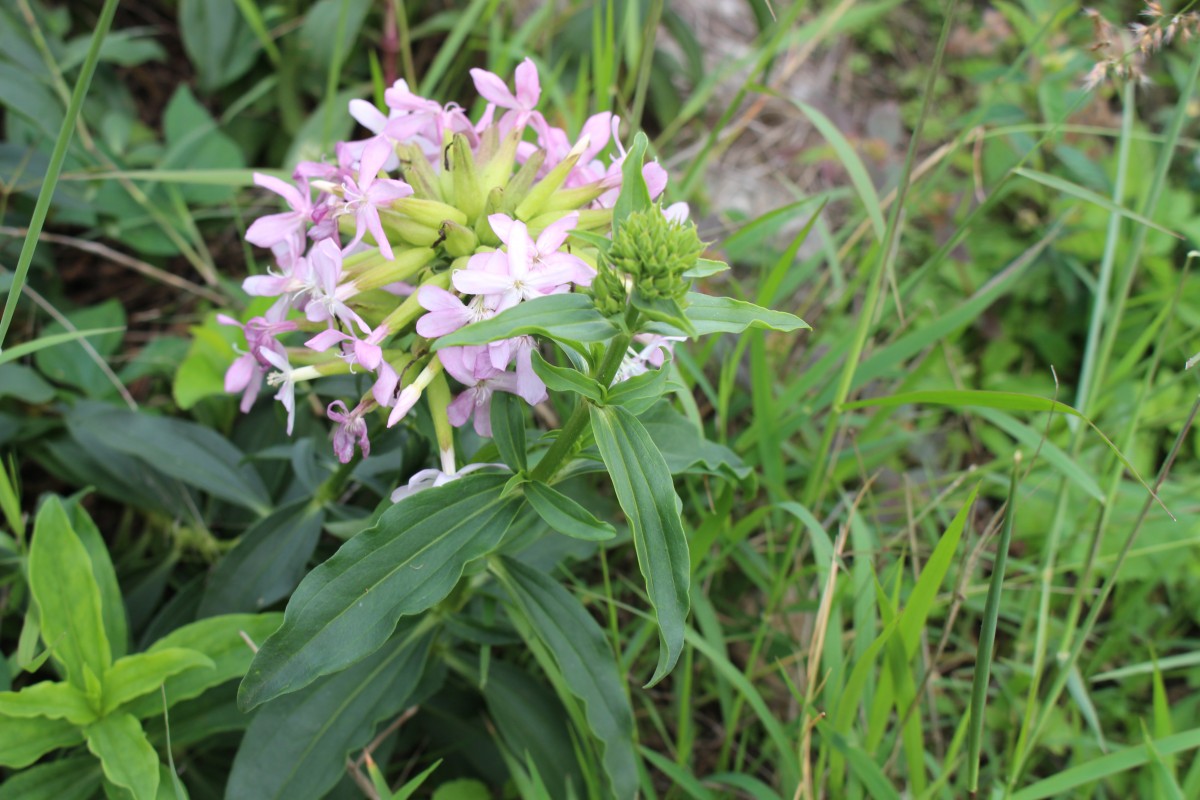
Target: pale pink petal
[502,225]
[325,340]
[282,188]
[459,410]
[554,234]
[238,376]
[529,90]
[272,229]
[367,115]
[459,363]
[492,89]
[479,282]
[384,388]
[655,177]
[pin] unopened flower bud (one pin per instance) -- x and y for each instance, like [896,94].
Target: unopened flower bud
[608,291]
[656,251]
[458,240]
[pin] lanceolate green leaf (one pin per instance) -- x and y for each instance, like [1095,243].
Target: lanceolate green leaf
[567,317]
[566,516]
[112,604]
[640,392]
[584,660]
[347,607]
[142,673]
[296,745]
[267,563]
[563,379]
[126,756]
[508,429]
[226,640]
[61,579]
[25,740]
[710,314]
[27,348]
[634,196]
[647,495]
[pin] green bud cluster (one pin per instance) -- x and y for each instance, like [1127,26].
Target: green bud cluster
[608,290]
[656,251]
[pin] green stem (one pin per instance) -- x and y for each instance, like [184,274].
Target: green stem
[558,452]
[54,168]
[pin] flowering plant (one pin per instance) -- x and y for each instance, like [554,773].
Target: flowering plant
[473,267]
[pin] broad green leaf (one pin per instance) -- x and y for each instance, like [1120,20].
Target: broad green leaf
[218,42]
[25,740]
[647,495]
[531,720]
[112,604]
[585,662]
[680,776]
[566,516]
[187,451]
[462,789]
[221,640]
[508,430]
[202,372]
[125,754]
[296,745]
[193,141]
[141,673]
[76,366]
[641,392]
[42,342]
[267,562]
[61,579]
[1087,195]
[50,699]
[1062,783]
[634,195]
[75,778]
[347,607]
[23,383]
[566,317]
[686,450]
[564,379]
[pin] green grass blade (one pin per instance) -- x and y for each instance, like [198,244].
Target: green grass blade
[987,637]
[54,168]
[1087,195]
[27,348]
[1062,784]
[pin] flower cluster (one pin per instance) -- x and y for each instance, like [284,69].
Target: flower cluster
[431,223]
[1123,53]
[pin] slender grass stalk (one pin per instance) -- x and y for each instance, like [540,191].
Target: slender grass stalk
[1067,663]
[816,475]
[645,62]
[987,634]
[42,207]
[335,72]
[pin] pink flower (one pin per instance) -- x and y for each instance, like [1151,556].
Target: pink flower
[351,430]
[247,371]
[448,313]
[363,197]
[285,380]
[519,349]
[471,367]
[327,296]
[533,268]
[274,228]
[366,352]
[522,107]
